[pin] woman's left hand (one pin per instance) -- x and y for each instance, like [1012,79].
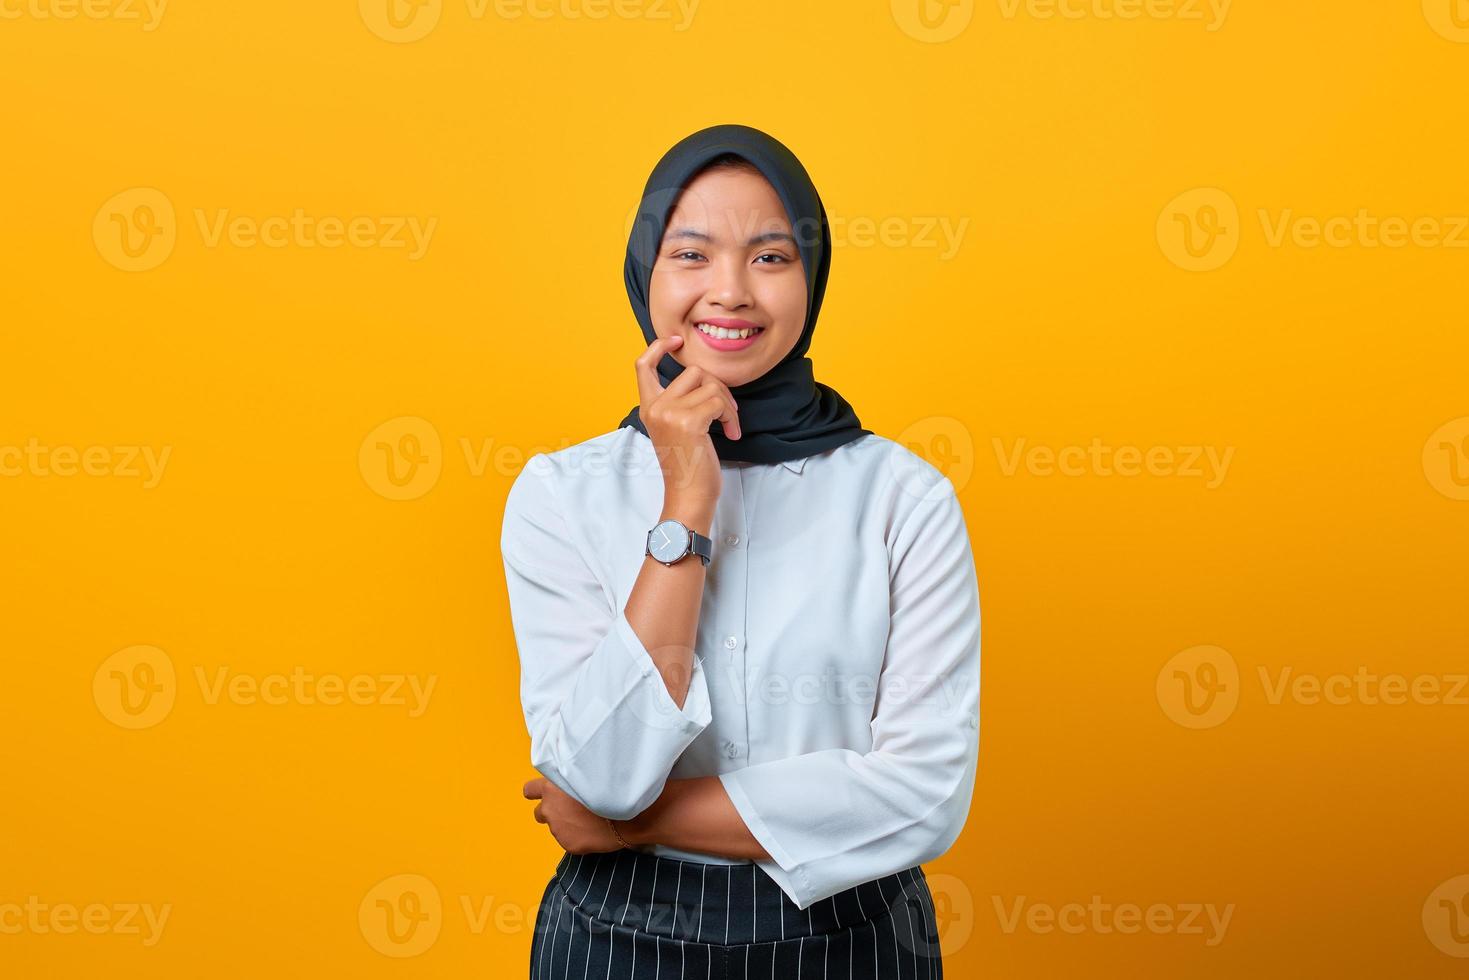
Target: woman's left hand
[577,829]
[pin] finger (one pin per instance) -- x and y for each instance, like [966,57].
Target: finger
[697,394]
[687,382]
[646,367]
[532,789]
[720,405]
[720,388]
[540,817]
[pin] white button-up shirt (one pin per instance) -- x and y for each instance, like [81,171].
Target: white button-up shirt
[835,683]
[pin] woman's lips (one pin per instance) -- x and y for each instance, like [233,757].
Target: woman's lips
[728,343]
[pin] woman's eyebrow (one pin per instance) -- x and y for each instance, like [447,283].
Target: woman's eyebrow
[761,239]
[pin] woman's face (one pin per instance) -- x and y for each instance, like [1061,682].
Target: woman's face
[728,259]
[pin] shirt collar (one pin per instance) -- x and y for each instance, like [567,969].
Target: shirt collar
[794,465]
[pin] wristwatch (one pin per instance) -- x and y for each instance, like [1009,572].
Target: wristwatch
[671,541]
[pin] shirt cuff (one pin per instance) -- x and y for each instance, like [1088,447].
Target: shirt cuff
[613,740]
[696,713]
[792,882]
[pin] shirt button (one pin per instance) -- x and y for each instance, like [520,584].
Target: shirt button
[730,642]
[732,750]
[733,540]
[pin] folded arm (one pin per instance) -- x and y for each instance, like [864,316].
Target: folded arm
[611,698]
[832,819]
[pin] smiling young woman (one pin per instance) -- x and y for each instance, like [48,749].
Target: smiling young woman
[680,617]
[728,278]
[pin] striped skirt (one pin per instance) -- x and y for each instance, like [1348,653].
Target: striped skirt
[633,916]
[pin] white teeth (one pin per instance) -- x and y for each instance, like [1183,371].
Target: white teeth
[723,333]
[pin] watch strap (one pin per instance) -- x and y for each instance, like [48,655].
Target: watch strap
[701,546]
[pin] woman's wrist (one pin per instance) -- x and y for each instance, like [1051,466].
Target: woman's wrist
[633,832]
[620,831]
[642,829]
[695,514]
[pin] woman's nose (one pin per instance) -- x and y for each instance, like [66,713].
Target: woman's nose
[730,288]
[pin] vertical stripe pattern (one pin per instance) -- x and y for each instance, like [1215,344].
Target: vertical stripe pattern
[628,915]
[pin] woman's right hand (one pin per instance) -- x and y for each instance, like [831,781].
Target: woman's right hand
[678,418]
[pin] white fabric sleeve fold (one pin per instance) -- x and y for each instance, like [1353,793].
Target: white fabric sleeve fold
[837,818]
[602,724]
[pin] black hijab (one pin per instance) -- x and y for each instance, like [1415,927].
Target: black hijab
[785,413]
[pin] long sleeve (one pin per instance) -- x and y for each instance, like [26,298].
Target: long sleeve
[836,818]
[602,724]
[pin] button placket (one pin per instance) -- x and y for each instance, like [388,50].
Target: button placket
[728,629]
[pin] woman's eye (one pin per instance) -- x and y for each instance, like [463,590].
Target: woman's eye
[773,255]
[680,255]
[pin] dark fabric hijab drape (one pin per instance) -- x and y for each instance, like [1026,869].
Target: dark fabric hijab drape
[785,413]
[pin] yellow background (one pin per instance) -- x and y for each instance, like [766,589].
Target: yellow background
[270,544]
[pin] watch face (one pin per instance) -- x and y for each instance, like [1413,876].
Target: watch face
[669,541]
